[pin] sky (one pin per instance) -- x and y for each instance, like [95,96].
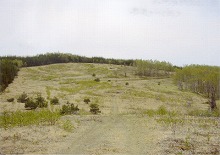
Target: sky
[178,31]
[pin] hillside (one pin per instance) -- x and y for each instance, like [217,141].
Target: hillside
[138,115]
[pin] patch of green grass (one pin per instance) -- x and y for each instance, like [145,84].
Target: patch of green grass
[204,113]
[161,111]
[92,93]
[84,85]
[48,89]
[48,77]
[18,118]
[67,126]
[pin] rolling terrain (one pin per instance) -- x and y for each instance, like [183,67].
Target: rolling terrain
[138,115]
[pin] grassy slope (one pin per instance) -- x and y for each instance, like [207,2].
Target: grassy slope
[74,82]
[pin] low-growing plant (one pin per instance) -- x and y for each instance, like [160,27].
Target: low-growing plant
[93,74]
[54,101]
[126,83]
[68,126]
[97,80]
[41,102]
[204,113]
[87,100]
[160,111]
[23,98]
[69,109]
[94,108]
[10,99]
[30,104]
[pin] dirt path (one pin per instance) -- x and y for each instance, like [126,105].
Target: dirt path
[114,134]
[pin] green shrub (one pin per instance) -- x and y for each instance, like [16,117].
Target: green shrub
[94,108]
[10,99]
[54,101]
[30,104]
[23,98]
[86,100]
[69,109]
[126,83]
[93,74]
[97,80]
[41,102]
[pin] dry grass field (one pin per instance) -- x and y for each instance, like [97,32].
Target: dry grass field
[138,115]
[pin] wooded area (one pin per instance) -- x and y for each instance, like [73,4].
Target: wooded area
[201,79]
[8,71]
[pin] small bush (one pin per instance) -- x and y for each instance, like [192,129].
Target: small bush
[87,100]
[69,109]
[30,104]
[93,74]
[94,108]
[41,102]
[23,98]
[97,80]
[126,83]
[54,101]
[10,99]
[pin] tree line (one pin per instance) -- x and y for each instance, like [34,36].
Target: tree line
[52,58]
[8,71]
[201,79]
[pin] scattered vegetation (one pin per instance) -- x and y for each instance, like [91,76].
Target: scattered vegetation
[30,104]
[87,100]
[23,98]
[54,101]
[10,99]
[69,109]
[39,102]
[97,80]
[94,108]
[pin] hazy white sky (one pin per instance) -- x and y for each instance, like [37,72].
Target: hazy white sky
[178,31]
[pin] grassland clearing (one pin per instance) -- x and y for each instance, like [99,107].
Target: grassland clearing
[145,116]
